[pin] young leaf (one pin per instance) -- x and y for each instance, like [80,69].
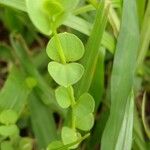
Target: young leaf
[72,47]
[68,136]
[39,18]
[63,97]
[9,130]
[47,14]
[8,117]
[65,74]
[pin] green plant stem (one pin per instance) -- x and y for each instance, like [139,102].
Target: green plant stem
[70,88]
[71,93]
[59,47]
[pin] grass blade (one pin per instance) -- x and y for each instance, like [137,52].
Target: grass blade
[125,136]
[92,49]
[42,122]
[15,91]
[85,27]
[145,36]
[122,74]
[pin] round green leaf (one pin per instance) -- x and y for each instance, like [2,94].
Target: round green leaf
[8,117]
[38,17]
[85,104]
[65,74]
[63,97]
[72,47]
[68,136]
[47,13]
[54,145]
[85,122]
[9,130]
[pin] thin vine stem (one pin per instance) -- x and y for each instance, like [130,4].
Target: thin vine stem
[73,102]
[70,88]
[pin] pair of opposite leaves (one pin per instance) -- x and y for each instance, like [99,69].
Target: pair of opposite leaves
[47,15]
[73,49]
[83,109]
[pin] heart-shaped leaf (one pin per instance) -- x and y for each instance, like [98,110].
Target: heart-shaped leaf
[63,97]
[72,47]
[83,112]
[85,122]
[69,135]
[65,74]
[8,117]
[47,13]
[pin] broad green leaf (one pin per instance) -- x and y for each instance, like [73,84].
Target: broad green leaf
[26,144]
[71,45]
[63,97]
[9,130]
[84,122]
[68,136]
[85,104]
[8,117]
[122,74]
[6,145]
[55,145]
[65,74]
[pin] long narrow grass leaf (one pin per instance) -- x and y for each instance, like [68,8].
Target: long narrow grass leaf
[122,74]
[92,48]
[42,122]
